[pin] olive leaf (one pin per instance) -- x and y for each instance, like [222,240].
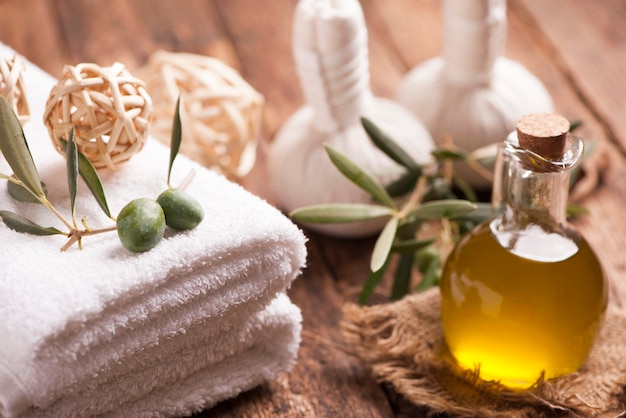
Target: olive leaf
[383,244]
[437,209]
[71,162]
[483,212]
[575,124]
[15,149]
[428,262]
[402,276]
[359,177]
[465,188]
[389,146]
[439,189]
[411,245]
[20,193]
[176,139]
[446,154]
[339,213]
[91,178]
[373,279]
[485,156]
[403,184]
[21,224]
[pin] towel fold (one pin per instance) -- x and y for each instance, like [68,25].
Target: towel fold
[226,364]
[78,326]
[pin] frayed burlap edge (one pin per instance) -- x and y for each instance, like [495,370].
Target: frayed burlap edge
[403,344]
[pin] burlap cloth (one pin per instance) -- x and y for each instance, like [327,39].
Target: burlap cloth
[403,344]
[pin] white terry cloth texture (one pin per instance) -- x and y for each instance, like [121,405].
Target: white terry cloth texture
[206,369]
[169,331]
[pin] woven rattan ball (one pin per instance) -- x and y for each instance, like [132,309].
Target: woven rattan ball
[108,107]
[12,86]
[221,114]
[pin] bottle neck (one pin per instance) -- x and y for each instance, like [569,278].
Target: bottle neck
[531,189]
[529,196]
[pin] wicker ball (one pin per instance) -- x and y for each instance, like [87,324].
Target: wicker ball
[12,86]
[221,114]
[108,107]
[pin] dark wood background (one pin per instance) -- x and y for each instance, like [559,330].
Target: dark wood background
[576,47]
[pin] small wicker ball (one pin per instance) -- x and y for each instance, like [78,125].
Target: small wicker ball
[12,86]
[108,107]
[221,114]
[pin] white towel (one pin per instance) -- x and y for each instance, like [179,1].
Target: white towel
[207,370]
[93,315]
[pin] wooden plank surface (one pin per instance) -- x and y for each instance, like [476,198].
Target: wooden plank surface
[576,47]
[587,44]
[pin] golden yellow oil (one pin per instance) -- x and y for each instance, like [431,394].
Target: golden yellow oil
[515,317]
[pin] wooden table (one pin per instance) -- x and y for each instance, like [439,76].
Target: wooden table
[576,47]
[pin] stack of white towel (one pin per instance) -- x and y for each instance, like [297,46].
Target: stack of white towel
[101,331]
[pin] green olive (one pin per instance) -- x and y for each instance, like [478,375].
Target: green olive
[140,225]
[182,211]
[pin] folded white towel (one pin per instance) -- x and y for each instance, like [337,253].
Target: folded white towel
[67,318]
[206,371]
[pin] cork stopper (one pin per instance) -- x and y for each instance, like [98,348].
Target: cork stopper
[544,134]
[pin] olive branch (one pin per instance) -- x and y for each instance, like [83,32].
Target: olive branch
[429,194]
[25,184]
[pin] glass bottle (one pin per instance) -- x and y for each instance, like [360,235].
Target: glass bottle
[523,294]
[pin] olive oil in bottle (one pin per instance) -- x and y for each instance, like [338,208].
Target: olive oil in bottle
[523,295]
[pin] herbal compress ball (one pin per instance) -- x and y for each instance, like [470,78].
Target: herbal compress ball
[12,86]
[221,113]
[108,107]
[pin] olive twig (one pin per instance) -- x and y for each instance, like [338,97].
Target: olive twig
[174,208]
[76,235]
[56,213]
